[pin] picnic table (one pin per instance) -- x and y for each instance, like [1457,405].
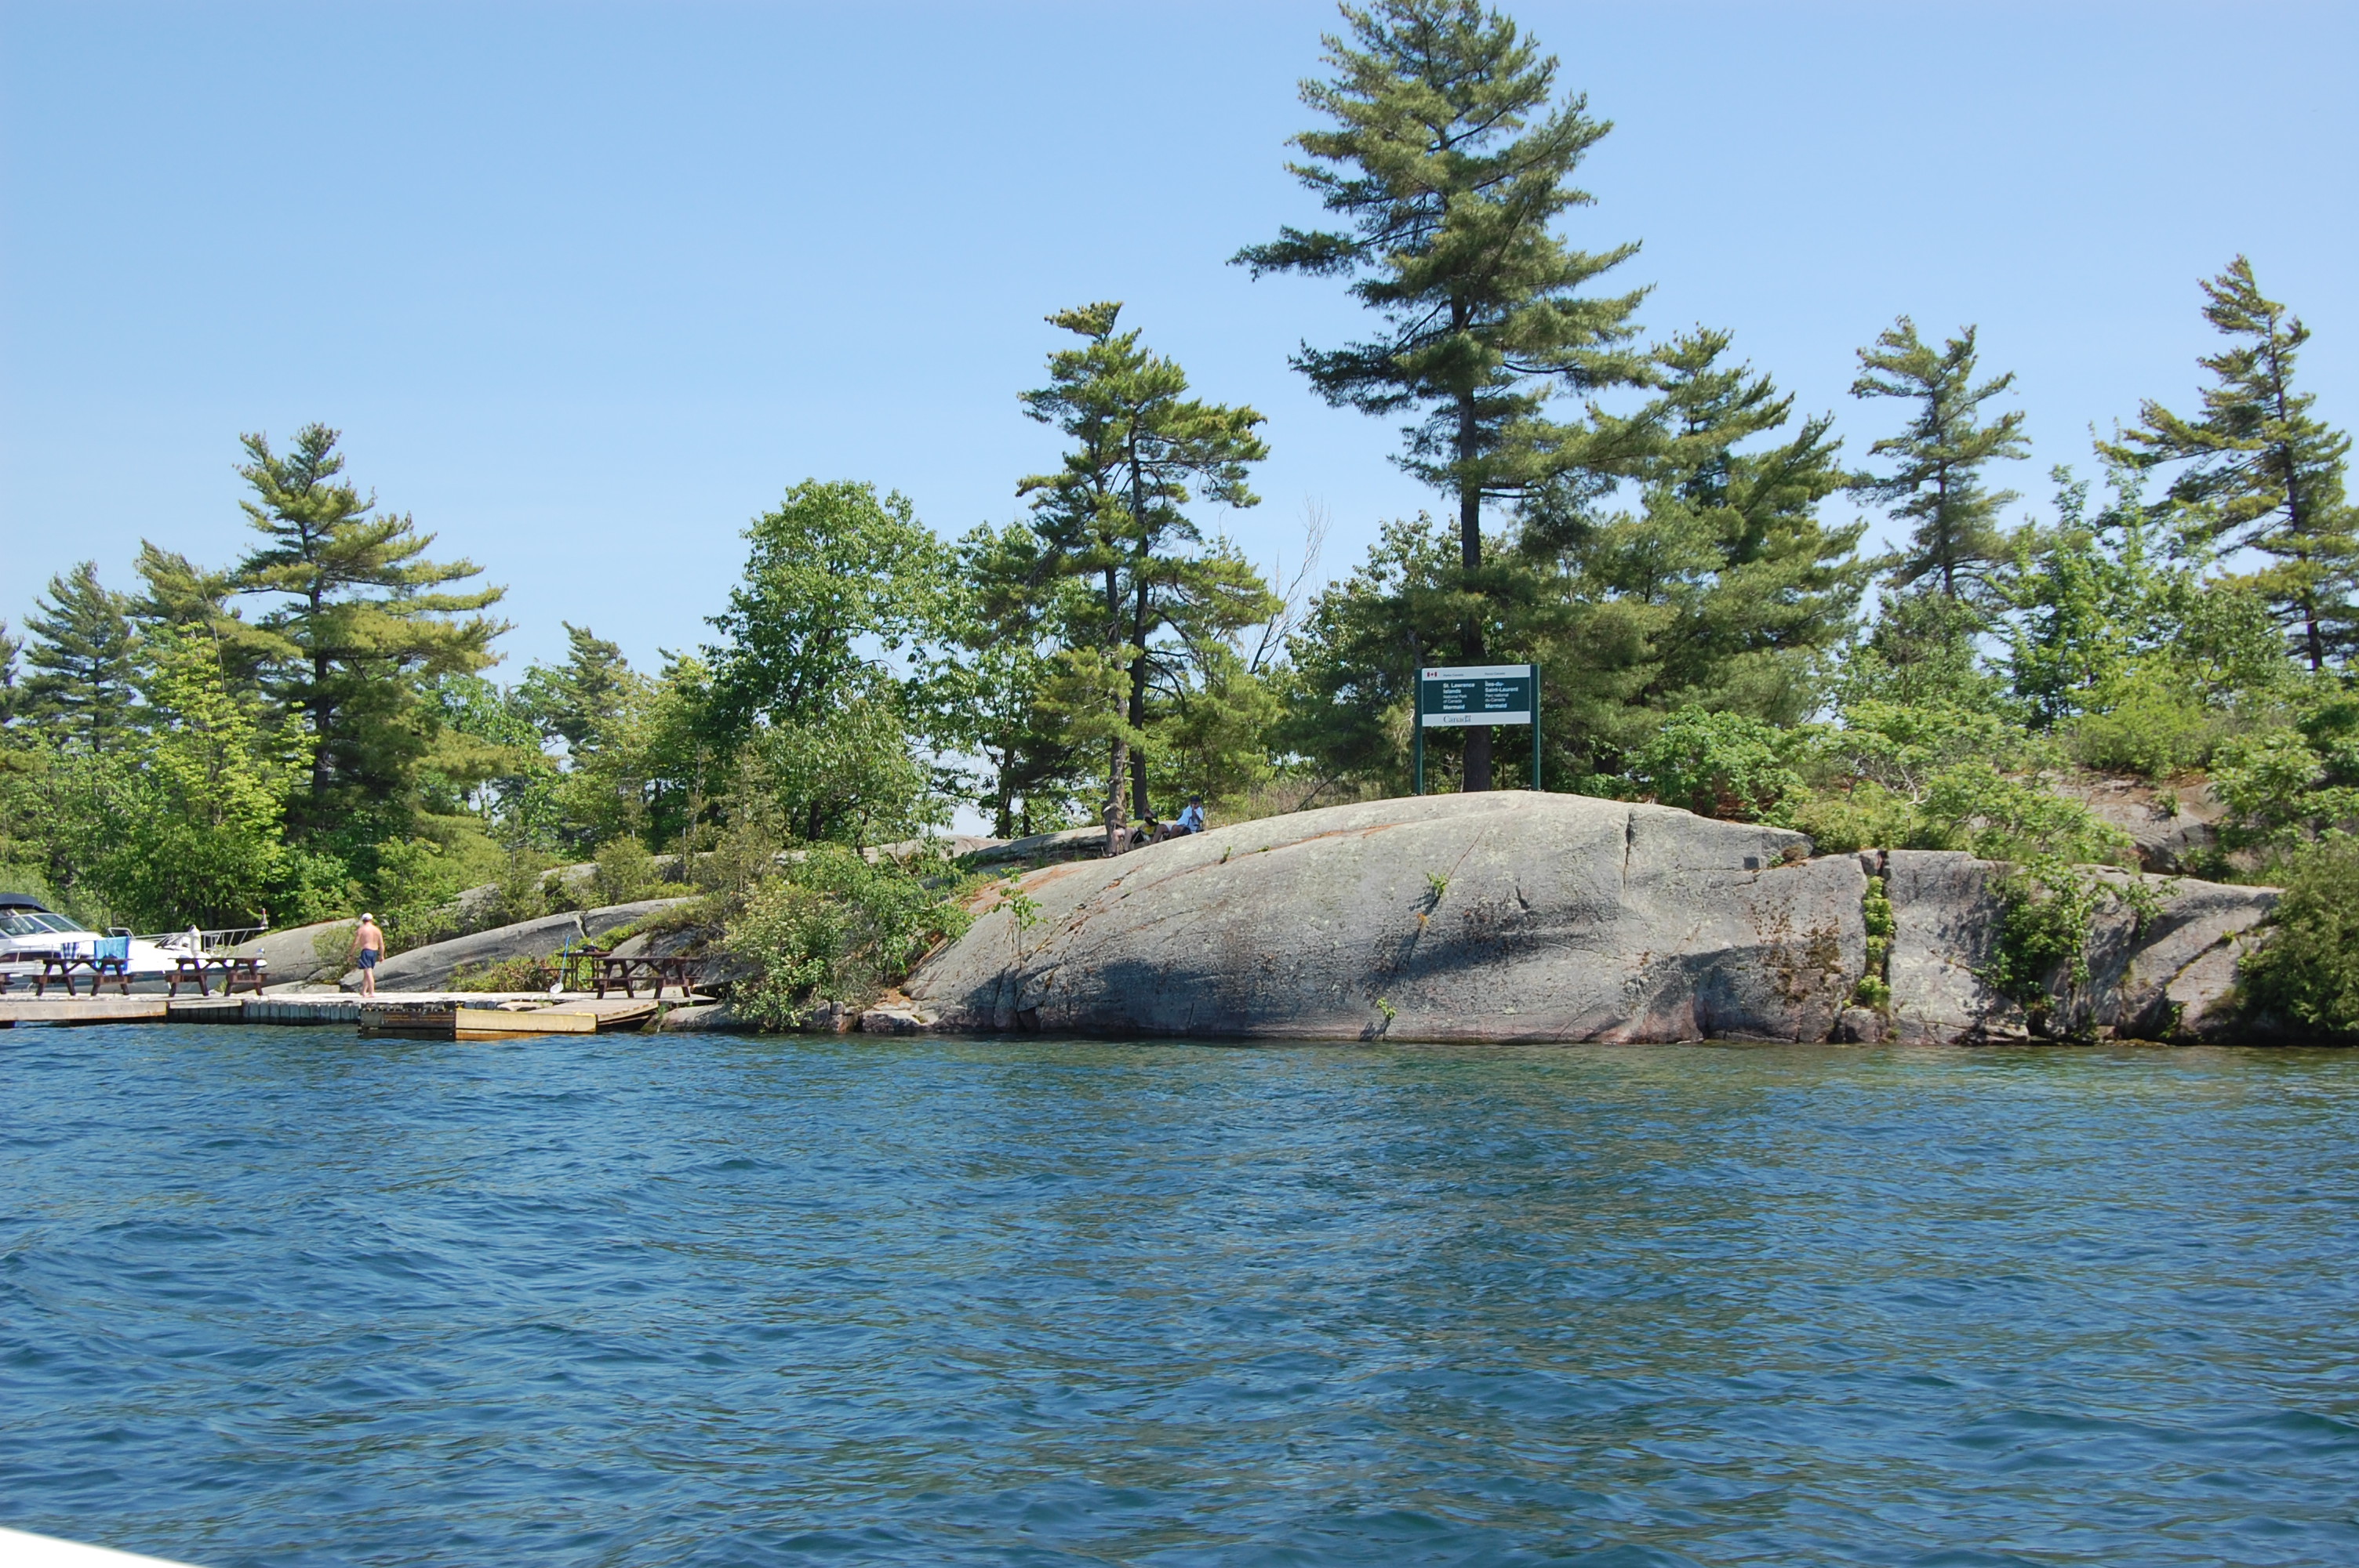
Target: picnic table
[628,973]
[234,971]
[61,966]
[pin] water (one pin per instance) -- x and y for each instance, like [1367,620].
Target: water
[290,1297]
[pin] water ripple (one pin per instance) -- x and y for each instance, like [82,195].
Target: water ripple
[290,1297]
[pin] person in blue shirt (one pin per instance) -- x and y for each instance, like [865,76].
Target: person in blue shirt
[1193,820]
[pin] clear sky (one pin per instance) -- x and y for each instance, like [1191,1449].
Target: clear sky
[587,285]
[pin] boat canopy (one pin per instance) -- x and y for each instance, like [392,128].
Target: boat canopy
[23,901]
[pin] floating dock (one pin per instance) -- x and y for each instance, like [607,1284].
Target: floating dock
[434,1015]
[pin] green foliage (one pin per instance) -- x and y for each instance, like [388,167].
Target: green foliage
[1921,652]
[1151,599]
[837,575]
[2049,906]
[2286,786]
[1874,988]
[1954,541]
[183,822]
[361,624]
[846,775]
[1449,161]
[1855,813]
[986,691]
[2308,971]
[522,973]
[85,662]
[2151,725]
[1356,658]
[10,693]
[833,927]
[2263,470]
[1719,765]
[419,877]
[625,872]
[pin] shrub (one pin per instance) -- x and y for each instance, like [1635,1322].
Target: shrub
[1864,816]
[832,928]
[2309,970]
[626,871]
[521,974]
[2155,726]
[1719,765]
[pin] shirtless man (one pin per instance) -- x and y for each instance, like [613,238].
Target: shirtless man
[368,945]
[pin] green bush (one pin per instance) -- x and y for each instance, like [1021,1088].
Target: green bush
[1866,815]
[1719,765]
[2308,973]
[2153,725]
[832,928]
[626,871]
[522,974]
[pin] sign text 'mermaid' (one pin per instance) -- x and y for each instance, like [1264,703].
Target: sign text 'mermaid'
[1475,694]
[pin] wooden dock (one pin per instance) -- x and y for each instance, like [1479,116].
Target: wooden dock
[443,1022]
[437,1015]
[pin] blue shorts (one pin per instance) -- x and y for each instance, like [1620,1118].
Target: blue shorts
[368,958]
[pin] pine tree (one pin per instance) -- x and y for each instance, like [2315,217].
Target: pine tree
[180,594]
[1451,163]
[363,623]
[1956,538]
[85,662]
[1115,516]
[1754,590]
[2267,471]
[9,694]
[579,700]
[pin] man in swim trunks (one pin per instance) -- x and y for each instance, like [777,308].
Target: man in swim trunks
[368,945]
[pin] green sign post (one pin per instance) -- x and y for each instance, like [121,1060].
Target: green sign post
[1452,698]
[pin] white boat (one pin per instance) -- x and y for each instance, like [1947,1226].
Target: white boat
[31,934]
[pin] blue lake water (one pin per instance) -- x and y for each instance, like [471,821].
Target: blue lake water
[285,1296]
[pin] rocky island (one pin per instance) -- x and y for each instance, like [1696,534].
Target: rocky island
[1514,916]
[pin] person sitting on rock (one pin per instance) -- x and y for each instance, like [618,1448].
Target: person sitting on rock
[1191,820]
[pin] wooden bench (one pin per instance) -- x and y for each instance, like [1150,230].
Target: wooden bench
[627,973]
[234,971]
[62,969]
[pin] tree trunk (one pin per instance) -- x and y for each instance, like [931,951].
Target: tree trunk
[1118,810]
[1470,557]
[1139,690]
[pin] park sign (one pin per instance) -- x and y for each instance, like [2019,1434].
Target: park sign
[1475,694]
[1455,697]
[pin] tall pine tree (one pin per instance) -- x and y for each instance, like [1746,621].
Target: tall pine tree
[2268,470]
[362,622]
[85,662]
[1115,515]
[1955,537]
[1451,162]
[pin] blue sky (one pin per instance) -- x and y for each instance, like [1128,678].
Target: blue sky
[587,285]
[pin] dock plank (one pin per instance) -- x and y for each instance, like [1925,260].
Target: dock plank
[16,1010]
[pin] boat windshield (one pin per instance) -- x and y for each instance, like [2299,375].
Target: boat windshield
[29,922]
